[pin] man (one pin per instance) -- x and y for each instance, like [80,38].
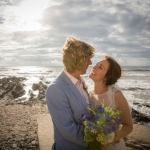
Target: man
[66,97]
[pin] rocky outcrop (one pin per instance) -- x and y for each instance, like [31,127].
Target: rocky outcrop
[12,90]
[12,86]
[41,88]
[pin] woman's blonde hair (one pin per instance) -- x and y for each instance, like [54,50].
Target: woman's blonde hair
[75,53]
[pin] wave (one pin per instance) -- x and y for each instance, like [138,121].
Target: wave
[15,69]
[136,88]
[33,73]
[144,110]
[138,69]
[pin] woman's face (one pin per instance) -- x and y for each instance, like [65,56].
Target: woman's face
[99,71]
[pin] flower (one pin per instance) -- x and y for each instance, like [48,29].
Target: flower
[110,137]
[85,87]
[100,125]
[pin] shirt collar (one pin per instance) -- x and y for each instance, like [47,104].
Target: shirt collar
[73,79]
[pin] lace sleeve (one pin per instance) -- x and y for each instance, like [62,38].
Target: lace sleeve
[111,91]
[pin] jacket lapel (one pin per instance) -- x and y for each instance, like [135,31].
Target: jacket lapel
[74,90]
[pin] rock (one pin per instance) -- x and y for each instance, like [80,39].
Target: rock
[33,142]
[1,92]
[138,117]
[14,145]
[17,94]
[19,87]
[11,86]
[3,80]
[145,145]
[35,87]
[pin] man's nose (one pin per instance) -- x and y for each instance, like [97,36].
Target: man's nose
[90,62]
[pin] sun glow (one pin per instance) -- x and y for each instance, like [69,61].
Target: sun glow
[28,14]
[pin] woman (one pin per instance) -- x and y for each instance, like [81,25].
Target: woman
[105,74]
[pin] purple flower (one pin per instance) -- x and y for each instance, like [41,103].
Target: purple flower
[118,121]
[90,116]
[97,116]
[113,128]
[87,117]
[107,129]
[100,109]
[108,117]
[80,123]
[110,128]
[83,117]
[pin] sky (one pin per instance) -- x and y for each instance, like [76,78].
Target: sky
[33,32]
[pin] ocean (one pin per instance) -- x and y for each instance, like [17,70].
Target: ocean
[134,83]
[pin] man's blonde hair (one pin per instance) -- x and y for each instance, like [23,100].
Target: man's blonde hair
[75,53]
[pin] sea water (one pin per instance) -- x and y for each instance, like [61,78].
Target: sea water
[134,83]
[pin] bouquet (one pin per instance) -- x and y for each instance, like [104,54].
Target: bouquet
[100,125]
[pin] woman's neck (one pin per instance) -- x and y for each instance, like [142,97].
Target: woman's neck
[100,88]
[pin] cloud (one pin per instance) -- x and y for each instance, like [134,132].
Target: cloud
[117,28]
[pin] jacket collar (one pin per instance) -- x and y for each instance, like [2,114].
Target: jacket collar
[73,89]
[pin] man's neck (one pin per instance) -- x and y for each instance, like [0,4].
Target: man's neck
[76,75]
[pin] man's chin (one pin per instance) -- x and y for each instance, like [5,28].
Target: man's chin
[82,73]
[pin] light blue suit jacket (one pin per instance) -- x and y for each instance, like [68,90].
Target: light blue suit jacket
[66,106]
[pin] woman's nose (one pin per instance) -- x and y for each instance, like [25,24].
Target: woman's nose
[94,67]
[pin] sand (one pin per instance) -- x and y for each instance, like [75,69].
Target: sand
[19,129]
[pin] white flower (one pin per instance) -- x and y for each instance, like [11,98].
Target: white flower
[120,126]
[85,87]
[110,137]
[93,131]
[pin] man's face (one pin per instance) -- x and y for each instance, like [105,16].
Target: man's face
[85,66]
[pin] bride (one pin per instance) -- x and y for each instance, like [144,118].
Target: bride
[105,74]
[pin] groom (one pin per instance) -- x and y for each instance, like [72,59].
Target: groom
[66,97]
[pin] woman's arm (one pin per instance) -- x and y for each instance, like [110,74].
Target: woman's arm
[123,106]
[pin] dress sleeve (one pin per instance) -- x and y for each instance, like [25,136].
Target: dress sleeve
[111,91]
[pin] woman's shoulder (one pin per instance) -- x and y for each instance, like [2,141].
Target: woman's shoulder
[114,88]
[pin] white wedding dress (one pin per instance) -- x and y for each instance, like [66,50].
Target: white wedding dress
[108,100]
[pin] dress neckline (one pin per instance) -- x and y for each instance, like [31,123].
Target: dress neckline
[99,94]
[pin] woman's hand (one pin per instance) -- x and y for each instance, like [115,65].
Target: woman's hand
[115,140]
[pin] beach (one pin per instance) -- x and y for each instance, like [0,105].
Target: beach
[19,126]
[19,129]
